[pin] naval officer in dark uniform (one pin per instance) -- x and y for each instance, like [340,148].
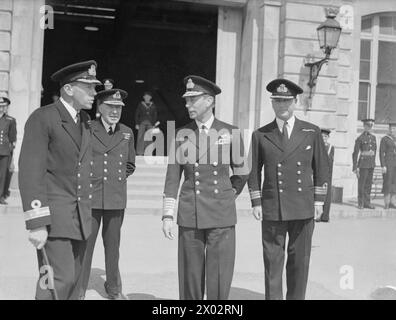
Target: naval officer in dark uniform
[205,150]
[330,152]
[7,144]
[296,174]
[55,170]
[365,148]
[387,155]
[113,163]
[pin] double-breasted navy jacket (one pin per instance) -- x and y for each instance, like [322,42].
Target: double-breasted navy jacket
[295,176]
[207,195]
[113,162]
[55,169]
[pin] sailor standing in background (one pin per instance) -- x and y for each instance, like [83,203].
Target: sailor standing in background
[8,137]
[366,145]
[330,152]
[387,155]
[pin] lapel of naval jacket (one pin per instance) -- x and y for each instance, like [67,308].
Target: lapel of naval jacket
[68,123]
[297,136]
[274,135]
[86,133]
[100,133]
[117,137]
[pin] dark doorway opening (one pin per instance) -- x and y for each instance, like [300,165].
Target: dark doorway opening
[155,41]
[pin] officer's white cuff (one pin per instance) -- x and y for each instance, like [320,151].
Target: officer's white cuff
[319,203]
[36,213]
[168,206]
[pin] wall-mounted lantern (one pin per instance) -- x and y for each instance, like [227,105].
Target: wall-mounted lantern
[328,35]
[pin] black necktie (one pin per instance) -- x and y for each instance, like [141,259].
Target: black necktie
[285,135]
[110,132]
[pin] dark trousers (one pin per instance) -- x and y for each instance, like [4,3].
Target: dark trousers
[111,234]
[66,258]
[209,252]
[141,144]
[364,185]
[298,256]
[6,191]
[4,163]
[326,207]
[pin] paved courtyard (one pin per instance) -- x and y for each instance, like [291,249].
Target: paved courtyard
[353,256]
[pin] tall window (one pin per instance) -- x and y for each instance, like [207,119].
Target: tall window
[377,79]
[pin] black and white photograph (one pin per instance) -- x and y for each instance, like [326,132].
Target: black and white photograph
[207,150]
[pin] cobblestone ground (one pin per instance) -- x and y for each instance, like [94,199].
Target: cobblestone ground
[362,248]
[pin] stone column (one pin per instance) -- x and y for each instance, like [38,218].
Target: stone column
[259,62]
[27,39]
[5,44]
[228,61]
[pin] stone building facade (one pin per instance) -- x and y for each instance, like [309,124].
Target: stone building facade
[257,41]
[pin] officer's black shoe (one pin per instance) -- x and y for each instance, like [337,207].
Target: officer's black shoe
[114,296]
[118,296]
[2,201]
[369,206]
[386,206]
[360,206]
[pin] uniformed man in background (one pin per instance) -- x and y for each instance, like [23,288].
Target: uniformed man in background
[205,150]
[7,144]
[387,155]
[108,83]
[113,163]
[330,152]
[146,117]
[55,168]
[365,148]
[296,174]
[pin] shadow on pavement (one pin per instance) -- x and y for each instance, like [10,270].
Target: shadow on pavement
[384,293]
[96,282]
[245,294]
[142,296]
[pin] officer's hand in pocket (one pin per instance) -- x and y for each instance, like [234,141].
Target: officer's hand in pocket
[258,213]
[167,225]
[38,237]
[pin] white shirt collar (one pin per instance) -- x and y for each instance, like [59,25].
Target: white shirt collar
[207,124]
[107,126]
[290,124]
[73,112]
